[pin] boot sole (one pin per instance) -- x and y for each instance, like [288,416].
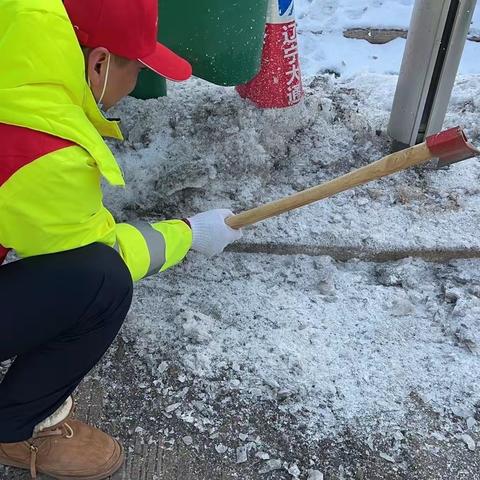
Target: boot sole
[101,476]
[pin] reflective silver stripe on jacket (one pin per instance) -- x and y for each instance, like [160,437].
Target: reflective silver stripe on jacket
[155,244]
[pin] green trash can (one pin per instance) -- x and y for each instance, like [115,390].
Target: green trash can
[222,40]
[150,85]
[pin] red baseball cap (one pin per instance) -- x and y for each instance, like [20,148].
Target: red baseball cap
[127,28]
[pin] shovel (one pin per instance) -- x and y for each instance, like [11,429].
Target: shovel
[449,147]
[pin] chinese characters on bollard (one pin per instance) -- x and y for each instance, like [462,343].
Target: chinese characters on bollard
[279,83]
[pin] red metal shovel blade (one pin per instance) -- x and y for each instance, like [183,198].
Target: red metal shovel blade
[451,146]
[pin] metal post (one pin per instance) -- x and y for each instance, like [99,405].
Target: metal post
[436,39]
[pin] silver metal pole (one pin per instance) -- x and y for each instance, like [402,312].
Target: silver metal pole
[436,39]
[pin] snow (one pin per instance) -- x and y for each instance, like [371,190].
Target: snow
[335,15]
[324,48]
[259,156]
[336,343]
[475,29]
[352,356]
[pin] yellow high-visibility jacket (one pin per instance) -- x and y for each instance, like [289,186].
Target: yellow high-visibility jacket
[54,203]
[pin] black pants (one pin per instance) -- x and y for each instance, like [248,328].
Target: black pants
[59,313]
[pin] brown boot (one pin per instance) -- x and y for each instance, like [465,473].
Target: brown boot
[69,450]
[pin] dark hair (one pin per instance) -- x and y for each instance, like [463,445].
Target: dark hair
[120,61]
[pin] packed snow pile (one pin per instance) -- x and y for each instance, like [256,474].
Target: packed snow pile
[204,147]
[332,344]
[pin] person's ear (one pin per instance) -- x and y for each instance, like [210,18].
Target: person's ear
[97,69]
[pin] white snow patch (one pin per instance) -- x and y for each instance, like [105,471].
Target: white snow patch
[323,47]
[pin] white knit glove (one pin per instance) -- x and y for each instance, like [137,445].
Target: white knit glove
[210,232]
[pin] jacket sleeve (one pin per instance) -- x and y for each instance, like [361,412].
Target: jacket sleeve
[151,248]
[55,204]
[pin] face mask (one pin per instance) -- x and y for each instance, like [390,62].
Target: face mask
[99,103]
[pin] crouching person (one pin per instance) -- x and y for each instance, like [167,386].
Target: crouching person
[64,301]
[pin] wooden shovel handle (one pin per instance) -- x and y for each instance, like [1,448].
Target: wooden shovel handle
[393,163]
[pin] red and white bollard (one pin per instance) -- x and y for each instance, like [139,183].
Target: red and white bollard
[279,83]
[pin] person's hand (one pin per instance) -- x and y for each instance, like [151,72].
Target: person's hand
[210,232]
